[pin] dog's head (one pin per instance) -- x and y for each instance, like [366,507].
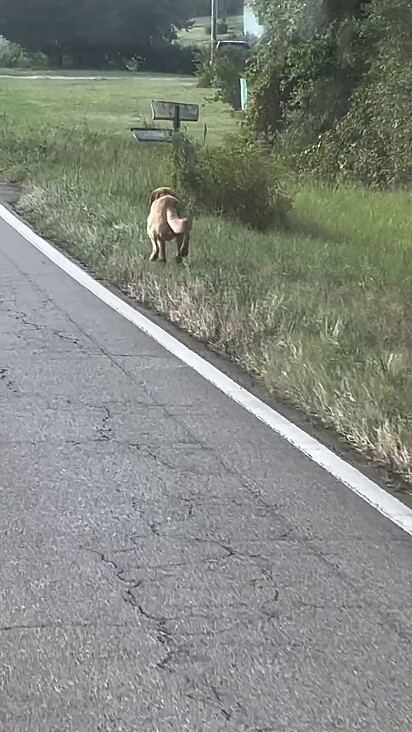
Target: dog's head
[160,193]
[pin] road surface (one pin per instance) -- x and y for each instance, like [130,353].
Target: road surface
[167,561]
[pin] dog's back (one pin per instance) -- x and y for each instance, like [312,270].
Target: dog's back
[164,220]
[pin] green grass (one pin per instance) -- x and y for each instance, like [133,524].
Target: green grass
[320,312]
[111,104]
[197,35]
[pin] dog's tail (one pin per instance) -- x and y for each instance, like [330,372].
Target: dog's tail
[178,226]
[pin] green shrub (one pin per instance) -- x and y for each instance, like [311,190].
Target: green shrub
[204,69]
[223,74]
[222,27]
[12,55]
[238,179]
[336,104]
[371,144]
[39,60]
[228,66]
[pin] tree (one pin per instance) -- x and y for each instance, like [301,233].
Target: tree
[371,144]
[201,8]
[332,84]
[308,64]
[98,30]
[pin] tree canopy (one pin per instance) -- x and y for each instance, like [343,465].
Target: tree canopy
[92,29]
[332,86]
[201,8]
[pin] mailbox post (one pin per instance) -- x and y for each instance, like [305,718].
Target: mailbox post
[175,112]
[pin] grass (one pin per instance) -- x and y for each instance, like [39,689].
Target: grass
[321,312]
[111,103]
[197,35]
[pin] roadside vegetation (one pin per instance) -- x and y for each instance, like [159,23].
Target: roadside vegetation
[301,264]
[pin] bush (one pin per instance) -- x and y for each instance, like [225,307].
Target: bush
[134,64]
[337,103]
[371,144]
[238,179]
[12,56]
[169,58]
[39,61]
[228,67]
[222,27]
[305,85]
[204,70]
[223,74]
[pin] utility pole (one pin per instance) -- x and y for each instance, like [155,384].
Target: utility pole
[213,26]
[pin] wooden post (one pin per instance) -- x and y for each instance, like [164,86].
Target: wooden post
[176,120]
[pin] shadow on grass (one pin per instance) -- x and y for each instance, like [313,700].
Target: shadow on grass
[301,226]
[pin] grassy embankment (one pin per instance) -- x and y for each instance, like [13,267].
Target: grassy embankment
[321,312]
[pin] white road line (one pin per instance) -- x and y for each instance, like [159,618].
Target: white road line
[386,504]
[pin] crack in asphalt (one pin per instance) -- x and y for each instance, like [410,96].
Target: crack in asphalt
[69,338]
[105,430]
[23,318]
[8,381]
[119,572]
[160,620]
[210,697]
[167,464]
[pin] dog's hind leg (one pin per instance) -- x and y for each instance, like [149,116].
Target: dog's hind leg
[162,250]
[155,250]
[179,243]
[184,249]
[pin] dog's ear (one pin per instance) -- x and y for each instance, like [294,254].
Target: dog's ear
[160,192]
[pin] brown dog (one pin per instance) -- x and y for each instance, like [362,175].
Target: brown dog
[164,224]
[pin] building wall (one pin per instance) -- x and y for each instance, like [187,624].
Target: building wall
[251,25]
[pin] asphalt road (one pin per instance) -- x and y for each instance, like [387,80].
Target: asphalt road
[168,562]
